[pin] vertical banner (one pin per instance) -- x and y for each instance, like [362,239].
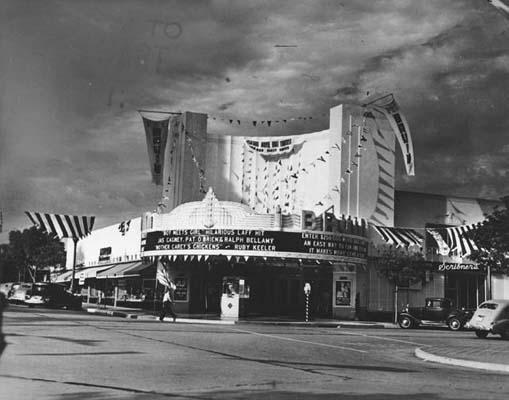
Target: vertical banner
[156,133]
[387,106]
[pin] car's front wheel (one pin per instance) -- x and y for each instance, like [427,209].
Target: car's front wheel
[505,335]
[481,334]
[405,322]
[454,324]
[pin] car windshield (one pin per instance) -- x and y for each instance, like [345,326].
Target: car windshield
[489,306]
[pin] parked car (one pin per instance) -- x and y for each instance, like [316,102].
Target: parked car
[51,295]
[492,316]
[5,288]
[436,311]
[18,292]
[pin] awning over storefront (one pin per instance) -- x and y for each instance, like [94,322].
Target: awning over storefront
[399,236]
[124,270]
[454,240]
[91,272]
[65,277]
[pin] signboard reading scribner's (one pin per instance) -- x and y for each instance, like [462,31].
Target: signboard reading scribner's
[245,242]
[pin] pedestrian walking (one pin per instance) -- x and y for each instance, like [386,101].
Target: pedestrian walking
[167,307]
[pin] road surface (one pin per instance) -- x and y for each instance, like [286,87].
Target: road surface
[58,354]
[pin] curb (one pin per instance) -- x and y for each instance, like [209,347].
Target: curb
[461,363]
[111,313]
[311,324]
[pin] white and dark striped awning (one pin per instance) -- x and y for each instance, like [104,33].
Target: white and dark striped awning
[458,240]
[455,240]
[63,226]
[399,237]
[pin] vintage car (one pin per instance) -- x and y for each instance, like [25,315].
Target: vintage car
[437,311]
[18,292]
[492,316]
[52,295]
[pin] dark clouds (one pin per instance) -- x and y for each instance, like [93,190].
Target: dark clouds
[74,73]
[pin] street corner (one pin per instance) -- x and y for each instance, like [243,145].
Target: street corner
[435,358]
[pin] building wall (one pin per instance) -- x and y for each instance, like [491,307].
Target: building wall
[415,209]
[124,247]
[500,287]
[315,174]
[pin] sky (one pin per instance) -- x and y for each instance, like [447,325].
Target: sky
[73,74]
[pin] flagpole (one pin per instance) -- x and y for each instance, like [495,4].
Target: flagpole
[75,240]
[155,284]
[349,165]
[358,169]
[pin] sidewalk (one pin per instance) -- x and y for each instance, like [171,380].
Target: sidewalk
[132,313]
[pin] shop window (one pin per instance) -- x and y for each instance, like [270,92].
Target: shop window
[343,293]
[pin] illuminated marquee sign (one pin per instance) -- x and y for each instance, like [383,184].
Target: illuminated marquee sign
[262,243]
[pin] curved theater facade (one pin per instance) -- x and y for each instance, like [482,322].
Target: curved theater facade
[211,245]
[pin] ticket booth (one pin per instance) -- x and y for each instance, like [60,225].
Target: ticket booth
[234,298]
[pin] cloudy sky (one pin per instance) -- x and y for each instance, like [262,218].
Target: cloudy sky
[74,73]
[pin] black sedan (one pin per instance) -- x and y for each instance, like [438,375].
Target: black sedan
[52,295]
[437,311]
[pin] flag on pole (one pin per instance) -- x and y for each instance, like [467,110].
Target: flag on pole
[163,277]
[63,226]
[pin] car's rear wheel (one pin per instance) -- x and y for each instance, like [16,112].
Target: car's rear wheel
[505,335]
[405,322]
[454,324]
[481,334]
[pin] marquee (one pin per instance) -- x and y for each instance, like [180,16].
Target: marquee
[255,243]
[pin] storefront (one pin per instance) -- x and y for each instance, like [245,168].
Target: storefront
[223,256]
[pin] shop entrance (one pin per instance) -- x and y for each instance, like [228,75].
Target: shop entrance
[464,289]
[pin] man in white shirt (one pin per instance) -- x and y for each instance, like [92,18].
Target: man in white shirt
[167,307]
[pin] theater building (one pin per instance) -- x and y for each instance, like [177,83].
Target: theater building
[245,222]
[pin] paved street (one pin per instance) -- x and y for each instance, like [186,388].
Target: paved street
[55,354]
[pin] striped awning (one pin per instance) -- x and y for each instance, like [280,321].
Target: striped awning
[399,236]
[63,226]
[459,242]
[124,270]
[92,272]
[64,277]
[454,240]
